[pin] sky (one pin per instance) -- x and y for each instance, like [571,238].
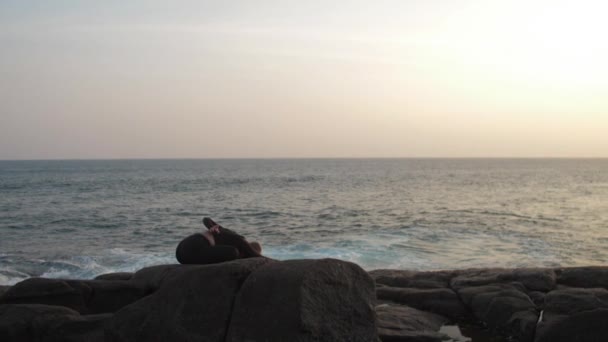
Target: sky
[300,79]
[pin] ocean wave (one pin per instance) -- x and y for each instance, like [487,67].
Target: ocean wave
[83,266]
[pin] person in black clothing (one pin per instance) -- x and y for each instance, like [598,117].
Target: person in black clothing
[217,244]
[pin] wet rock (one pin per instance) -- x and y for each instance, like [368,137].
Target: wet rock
[503,308]
[441,301]
[412,279]
[84,296]
[586,277]
[115,276]
[305,300]
[402,323]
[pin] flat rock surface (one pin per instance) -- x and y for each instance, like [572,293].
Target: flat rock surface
[509,302]
[309,300]
[402,323]
[84,296]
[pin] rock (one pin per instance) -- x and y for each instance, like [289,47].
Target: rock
[538,298]
[111,295]
[586,326]
[73,295]
[402,323]
[441,301]
[88,328]
[45,323]
[115,276]
[412,279]
[194,302]
[587,277]
[305,300]
[411,336]
[16,321]
[503,308]
[153,276]
[571,301]
[84,296]
[537,279]
[3,290]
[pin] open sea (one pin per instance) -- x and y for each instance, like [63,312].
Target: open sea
[82,218]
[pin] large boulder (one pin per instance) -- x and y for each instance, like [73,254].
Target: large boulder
[403,323]
[84,296]
[115,276]
[442,301]
[3,289]
[305,300]
[504,308]
[587,277]
[574,314]
[533,279]
[586,326]
[193,303]
[413,279]
[154,276]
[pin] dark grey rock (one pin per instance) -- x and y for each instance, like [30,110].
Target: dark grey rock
[402,323]
[570,301]
[112,295]
[503,308]
[84,296]
[89,328]
[305,300]
[412,279]
[536,279]
[16,321]
[441,301]
[45,323]
[587,277]
[586,326]
[411,336]
[115,276]
[3,289]
[538,298]
[73,295]
[153,276]
[194,302]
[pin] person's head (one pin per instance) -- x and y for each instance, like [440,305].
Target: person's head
[256,246]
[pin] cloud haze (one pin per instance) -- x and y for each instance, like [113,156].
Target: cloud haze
[208,79]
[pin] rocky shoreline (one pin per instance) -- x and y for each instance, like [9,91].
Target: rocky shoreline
[310,300]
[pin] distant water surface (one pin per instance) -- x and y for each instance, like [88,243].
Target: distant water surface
[78,219]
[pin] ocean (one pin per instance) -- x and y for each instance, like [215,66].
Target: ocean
[82,218]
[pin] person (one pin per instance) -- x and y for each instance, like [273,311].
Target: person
[216,244]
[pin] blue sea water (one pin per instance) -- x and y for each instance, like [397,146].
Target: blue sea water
[78,219]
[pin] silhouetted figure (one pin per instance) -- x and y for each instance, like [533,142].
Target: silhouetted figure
[217,244]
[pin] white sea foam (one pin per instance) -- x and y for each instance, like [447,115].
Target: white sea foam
[407,214]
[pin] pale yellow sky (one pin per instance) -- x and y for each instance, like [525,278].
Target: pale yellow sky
[208,79]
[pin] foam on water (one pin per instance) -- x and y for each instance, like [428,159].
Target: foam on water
[78,219]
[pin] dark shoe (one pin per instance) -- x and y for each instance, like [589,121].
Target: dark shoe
[209,223]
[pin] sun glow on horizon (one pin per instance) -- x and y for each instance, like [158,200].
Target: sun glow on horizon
[305,79]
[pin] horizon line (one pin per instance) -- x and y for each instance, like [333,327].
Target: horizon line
[288,158]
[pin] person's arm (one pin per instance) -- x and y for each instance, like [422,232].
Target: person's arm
[225,237]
